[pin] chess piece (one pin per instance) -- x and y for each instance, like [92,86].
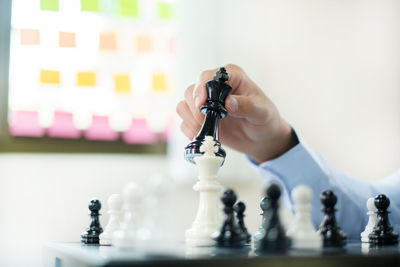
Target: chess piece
[208,216]
[214,110]
[331,233]
[239,208]
[114,222]
[264,204]
[273,239]
[126,236]
[91,235]
[372,219]
[302,231]
[231,234]
[383,233]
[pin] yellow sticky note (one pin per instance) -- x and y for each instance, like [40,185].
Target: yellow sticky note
[122,83]
[86,79]
[50,77]
[159,83]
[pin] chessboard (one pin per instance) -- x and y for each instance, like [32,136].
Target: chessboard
[177,254]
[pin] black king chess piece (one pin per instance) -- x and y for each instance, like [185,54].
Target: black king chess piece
[273,237]
[91,235]
[383,233]
[331,233]
[231,235]
[214,110]
[240,208]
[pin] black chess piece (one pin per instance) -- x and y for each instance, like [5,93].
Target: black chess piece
[91,235]
[273,239]
[231,235]
[383,233]
[214,110]
[331,233]
[239,208]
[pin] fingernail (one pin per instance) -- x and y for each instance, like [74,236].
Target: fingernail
[232,104]
[197,101]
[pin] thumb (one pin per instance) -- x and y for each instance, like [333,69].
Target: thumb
[240,106]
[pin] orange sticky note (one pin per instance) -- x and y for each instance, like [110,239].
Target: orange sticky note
[30,37]
[86,79]
[144,43]
[66,39]
[159,82]
[50,77]
[108,41]
[122,83]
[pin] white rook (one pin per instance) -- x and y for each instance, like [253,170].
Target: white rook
[208,218]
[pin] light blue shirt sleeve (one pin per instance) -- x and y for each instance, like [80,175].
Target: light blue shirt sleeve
[301,165]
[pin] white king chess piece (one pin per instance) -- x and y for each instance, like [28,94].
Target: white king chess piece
[302,231]
[208,218]
[371,221]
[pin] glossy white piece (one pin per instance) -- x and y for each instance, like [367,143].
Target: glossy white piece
[208,218]
[372,220]
[114,222]
[302,231]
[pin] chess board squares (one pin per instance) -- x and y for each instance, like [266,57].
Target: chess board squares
[30,37]
[49,5]
[108,41]
[144,43]
[67,39]
[129,8]
[122,83]
[90,5]
[87,79]
[50,77]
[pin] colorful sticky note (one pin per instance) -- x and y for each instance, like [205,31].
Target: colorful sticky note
[165,11]
[86,79]
[66,39]
[63,126]
[90,5]
[122,83]
[25,123]
[129,8]
[159,83]
[144,43]
[49,5]
[108,41]
[50,77]
[30,37]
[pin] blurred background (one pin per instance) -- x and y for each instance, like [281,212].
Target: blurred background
[88,90]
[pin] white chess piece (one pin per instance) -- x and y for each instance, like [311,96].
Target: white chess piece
[372,220]
[114,210]
[126,236]
[302,231]
[208,218]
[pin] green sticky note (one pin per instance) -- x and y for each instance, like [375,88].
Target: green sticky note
[130,8]
[165,11]
[90,5]
[49,5]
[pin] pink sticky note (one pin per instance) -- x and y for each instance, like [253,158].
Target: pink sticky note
[63,126]
[139,133]
[100,130]
[26,123]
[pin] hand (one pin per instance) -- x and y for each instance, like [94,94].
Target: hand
[253,125]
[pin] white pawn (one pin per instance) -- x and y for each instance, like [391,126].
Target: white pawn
[114,222]
[126,236]
[371,221]
[302,231]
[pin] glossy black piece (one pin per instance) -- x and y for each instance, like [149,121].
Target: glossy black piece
[231,235]
[273,239]
[214,110]
[240,208]
[91,235]
[331,233]
[383,233]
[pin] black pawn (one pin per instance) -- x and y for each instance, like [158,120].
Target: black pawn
[383,233]
[331,233]
[231,235]
[240,207]
[91,235]
[273,239]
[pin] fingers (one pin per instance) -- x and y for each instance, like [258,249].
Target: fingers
[250,108]
[188,131]
[185,113]
[197,115]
